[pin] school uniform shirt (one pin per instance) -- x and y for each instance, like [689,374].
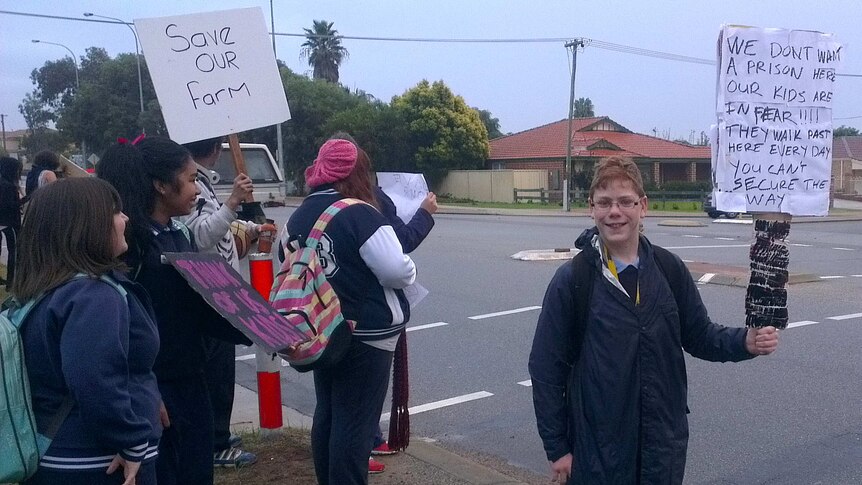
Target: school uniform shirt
[210,222]
[87,341]
[364,263]
[183,316]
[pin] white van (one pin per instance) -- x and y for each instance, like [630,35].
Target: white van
[260,166]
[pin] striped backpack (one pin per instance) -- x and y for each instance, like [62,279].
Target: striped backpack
[305,298]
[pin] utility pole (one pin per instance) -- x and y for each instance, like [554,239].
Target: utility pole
[567,172]
[3,124]
[279,153]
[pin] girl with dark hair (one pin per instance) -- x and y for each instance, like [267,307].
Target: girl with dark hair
[91,340]
[10,211]
[156,180]
[365,264]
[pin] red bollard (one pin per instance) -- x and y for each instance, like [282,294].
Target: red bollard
[268,366]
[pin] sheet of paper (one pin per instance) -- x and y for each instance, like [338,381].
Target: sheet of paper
[415,293]
[407,191]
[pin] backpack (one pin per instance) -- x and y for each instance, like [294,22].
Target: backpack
[584,272]
[302,294]
[21,443]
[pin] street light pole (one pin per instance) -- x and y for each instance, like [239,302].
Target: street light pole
[137,52]
[279,143]
[77,89]
[74,59]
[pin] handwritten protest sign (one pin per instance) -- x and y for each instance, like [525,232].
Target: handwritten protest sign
[214,72]
[226,291]
[772,145]
[407,191]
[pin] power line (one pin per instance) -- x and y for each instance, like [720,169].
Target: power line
[599,44]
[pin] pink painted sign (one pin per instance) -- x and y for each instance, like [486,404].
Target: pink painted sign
[234,299]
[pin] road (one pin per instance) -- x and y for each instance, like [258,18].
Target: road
[789,418]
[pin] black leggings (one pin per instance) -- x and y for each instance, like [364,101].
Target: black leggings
[11,244]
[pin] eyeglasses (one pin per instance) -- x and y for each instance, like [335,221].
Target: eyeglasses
[606,204]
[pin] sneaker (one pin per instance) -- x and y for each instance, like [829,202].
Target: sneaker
[234,458]
[383,449]
[235,441]
[375,466]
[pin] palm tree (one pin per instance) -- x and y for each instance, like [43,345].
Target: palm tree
[323,50]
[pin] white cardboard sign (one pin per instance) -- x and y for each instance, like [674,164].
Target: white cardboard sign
[772,145]
[214,72]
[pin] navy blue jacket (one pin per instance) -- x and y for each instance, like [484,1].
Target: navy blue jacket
[628,390]
[183,316]
[412,234]
[362,260]
[87,341]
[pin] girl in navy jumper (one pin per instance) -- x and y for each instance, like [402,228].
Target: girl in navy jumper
[156,180]
[86,343]
[365,264]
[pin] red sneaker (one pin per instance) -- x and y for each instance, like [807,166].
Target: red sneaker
[375,466]
[383,449]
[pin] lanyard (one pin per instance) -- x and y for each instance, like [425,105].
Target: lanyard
[613,267]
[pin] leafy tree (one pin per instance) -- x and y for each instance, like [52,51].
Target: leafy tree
[584,108]
[44,139]
[312,104]
[443,133]
[34,112]
[106,106]
[323,50]
[845,131]
[492,125]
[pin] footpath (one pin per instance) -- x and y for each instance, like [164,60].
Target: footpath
[423,463]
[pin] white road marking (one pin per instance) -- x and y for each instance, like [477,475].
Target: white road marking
[527,383]
[442,404]
[428,325]
[844,249]
[845,317]
[706,278]
[710,247]
[690,235]
[801,324]
[726,238]
[799,245]
[507,312]
[831,277]
[856,275]
[244,357]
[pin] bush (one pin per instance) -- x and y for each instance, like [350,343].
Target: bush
[685,186]
[675,206]
[655,205]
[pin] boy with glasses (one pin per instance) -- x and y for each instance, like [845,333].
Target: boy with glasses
[607,363]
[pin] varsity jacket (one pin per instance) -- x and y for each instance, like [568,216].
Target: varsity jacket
[210,222]
[86,341]
[363,261]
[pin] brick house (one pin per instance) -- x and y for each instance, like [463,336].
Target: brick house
[544,147]
[847,165]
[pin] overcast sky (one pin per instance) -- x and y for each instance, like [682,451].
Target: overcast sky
[523,84]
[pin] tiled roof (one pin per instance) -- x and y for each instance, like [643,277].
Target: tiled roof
[847,147]
[549,141]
